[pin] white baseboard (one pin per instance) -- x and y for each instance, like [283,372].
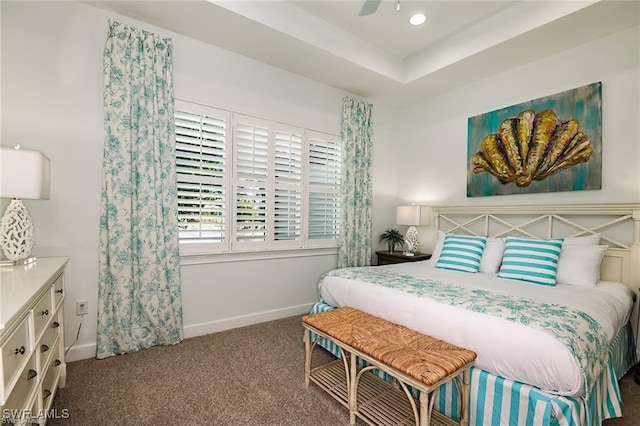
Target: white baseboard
[244,320]
[88,350]
[78,352]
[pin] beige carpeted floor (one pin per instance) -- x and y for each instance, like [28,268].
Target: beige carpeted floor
[247,376]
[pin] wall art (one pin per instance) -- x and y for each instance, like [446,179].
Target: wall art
[547,144]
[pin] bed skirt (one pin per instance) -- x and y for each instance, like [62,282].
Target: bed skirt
[498,401]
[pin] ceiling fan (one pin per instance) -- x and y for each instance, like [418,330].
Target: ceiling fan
[370,6]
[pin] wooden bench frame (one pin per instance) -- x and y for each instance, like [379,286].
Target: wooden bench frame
[381,403]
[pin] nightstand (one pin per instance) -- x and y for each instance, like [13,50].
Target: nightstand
[387,257]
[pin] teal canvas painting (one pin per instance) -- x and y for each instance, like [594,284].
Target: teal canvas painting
[549,144]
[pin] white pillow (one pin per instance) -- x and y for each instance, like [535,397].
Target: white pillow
[593,239]
[571,263]
[580,264]
[437,249]
[492,255]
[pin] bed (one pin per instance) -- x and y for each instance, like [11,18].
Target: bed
[548,352]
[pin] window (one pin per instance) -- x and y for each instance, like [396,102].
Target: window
[246,183]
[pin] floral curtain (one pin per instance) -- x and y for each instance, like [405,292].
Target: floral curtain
[355,232]
[139,294]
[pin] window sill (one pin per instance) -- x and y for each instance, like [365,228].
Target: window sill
[247,256]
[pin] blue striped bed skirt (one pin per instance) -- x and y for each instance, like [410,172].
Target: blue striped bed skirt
[498,401]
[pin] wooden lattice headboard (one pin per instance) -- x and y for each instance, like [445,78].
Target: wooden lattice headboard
[618,224]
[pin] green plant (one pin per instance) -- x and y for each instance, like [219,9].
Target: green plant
[392,237]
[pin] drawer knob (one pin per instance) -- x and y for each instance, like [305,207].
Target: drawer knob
[31,374]
[57,362]
[20,351]
[55,324]
[46,394]
[45,312]
[44,348]
[59,291]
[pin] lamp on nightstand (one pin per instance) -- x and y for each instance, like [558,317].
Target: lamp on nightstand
[24,174]
[413,216]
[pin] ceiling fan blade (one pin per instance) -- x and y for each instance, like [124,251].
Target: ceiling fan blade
[369,7]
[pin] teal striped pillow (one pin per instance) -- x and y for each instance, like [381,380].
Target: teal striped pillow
[531,260]
[461,253]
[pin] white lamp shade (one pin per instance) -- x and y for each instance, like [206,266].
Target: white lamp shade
[24,174]
[413,215]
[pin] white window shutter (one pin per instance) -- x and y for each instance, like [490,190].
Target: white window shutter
[202,174]
[324,197]
[287,172]
[246,183]
[251,158]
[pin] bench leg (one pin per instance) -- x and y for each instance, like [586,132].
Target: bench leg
[307,357]
[353,395]
[464,397]
[426,406]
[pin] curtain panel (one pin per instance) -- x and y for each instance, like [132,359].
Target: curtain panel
[355,232]
[139,293]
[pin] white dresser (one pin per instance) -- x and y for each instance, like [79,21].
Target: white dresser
[32,339]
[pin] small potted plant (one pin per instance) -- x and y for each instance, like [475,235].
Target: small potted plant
[392,237]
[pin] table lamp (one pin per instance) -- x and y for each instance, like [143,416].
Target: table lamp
[23,175]
[413,216]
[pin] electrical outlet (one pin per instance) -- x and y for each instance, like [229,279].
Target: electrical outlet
[82,307]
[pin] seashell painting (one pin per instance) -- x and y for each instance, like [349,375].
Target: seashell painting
[547,144]
[532,146]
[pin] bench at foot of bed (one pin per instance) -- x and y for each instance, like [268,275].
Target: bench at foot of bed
[412,359]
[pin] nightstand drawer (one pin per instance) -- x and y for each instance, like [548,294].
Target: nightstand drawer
[15,352]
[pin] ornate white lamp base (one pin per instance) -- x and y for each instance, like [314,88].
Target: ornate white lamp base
[411,239]
[17,234]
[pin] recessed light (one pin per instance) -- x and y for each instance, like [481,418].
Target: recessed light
[418,19]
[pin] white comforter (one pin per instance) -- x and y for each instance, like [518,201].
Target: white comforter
[504,348]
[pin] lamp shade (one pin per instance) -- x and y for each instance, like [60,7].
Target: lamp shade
[413,215]
[24,174]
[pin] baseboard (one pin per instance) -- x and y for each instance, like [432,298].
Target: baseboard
[78,352]
[244,320]
[88,350]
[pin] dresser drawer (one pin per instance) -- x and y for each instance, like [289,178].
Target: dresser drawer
[58,291]
[46,346]
[27,382]
[15,353]
[41,313]
[50,382]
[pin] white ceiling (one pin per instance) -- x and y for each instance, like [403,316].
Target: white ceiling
[381,56]
[389,29]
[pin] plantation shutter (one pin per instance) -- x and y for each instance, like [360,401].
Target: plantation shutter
[202,169]
[251,175]
[325,175]
[247,183]
[287,172]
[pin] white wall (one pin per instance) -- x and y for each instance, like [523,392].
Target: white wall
[434,131]
[386,154]
[52,102]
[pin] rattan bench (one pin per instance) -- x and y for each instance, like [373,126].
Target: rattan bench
[410,358]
